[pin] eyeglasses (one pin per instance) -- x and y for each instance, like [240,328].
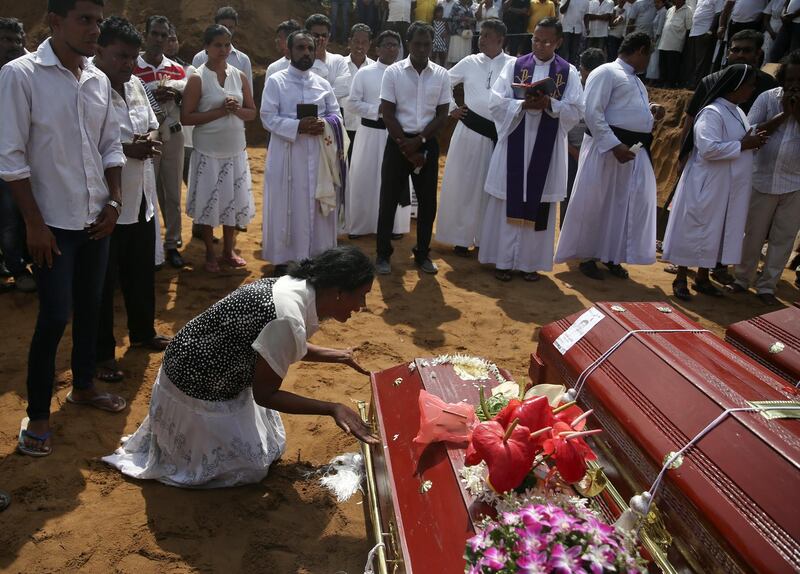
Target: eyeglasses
[538,42]
[741,50]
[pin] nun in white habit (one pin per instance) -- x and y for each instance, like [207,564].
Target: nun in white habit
[709,211]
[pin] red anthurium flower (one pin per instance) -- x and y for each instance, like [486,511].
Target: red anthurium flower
[570,454]
[534,413]
[569,415]
[508,455]
[505,416]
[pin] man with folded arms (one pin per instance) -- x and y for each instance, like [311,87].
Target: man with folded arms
[612,211]
[132,252]
[463,200]
[61,156]
[415,99]
[528,171]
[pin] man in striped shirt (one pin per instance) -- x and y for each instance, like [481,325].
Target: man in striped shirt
[167,80]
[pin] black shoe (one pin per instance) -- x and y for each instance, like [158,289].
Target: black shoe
[4,272]
[397,236]
[174,259]
[720,275]
[461,251]
[589,268]
[616,270]
[354,236]
[179,243]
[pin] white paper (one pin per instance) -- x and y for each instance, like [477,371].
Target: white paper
[578,329]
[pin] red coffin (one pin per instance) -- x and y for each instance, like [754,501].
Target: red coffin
[424,531]
[734,504]
[757,336]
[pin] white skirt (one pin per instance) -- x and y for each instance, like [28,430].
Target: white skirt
[459,49]
[220,190]
[201,444]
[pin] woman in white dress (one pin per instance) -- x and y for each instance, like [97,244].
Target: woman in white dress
[217,101]
[708,216]
[213,419]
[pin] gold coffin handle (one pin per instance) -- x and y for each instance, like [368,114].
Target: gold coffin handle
[372,496]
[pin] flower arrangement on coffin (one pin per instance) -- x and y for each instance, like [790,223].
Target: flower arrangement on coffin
[547,537]
[528,433]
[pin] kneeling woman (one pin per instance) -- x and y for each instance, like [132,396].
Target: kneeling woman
[213,419]
[706,224]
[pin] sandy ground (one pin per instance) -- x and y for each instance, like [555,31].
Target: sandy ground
[71,513]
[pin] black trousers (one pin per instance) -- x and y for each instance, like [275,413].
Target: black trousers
[669,67]
[131,260]
[395,171]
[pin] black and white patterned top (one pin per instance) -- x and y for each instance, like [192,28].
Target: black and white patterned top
[212,357]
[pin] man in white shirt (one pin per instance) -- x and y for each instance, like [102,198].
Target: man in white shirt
[774,213]
[281,35]
[571,13]
[740,15]
[295,227]
[398,18]
[228,17]
[415,98]
[528,170]
[701,42]
[641,16]
[360,37]
[61,156]
[463,200]
[331,67]
[670,47]
[598,17]
[612,211]
[167,80]
[364,178]
[132,251]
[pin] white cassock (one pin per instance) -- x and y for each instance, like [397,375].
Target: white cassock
[351,117]
[612,211]
[709,212]
[511,243]
[364,180]
[294,227]
[462,201]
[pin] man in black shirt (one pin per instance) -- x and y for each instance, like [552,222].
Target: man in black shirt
[515,17]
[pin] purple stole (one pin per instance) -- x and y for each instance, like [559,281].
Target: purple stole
[524,203]
[338,126]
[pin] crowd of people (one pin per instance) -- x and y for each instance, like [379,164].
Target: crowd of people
[104,124]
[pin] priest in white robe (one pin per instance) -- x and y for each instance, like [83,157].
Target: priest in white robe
[709,211]
[295,226]
[612,210]
[364,180]
[528,170]
[462,201]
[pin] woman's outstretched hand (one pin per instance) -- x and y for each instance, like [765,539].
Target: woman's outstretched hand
[349,359]
[350,422]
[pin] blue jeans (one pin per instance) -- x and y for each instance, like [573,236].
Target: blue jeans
[344,7]
[12,232]
[73,285]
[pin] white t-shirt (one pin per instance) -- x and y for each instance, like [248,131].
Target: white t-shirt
[703,16]
[676,25]
[285,339]
[747,10]
[599,28]
[572,20]
[399,11]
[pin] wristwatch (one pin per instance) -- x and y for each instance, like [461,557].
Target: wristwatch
[116,205]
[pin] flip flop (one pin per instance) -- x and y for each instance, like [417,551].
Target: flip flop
[108,373]
[25,433]
[101,401]
[234,262]
[5,500]
[157,343]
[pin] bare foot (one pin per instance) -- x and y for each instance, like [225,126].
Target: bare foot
[98,399]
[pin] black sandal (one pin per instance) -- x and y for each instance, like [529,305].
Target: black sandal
[531,277]
[617,270]
[109,373]
[681,290]
[589,268]
[503,275]
[706,288]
